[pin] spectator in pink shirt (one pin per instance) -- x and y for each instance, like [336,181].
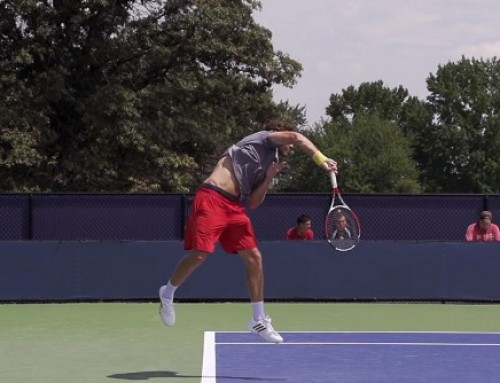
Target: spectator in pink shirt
[483,230]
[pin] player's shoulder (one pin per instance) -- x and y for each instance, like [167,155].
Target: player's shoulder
[283,137]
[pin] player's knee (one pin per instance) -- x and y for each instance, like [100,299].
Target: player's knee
[198,256]
[252,257]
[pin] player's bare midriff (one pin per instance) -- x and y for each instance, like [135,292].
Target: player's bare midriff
[223,177]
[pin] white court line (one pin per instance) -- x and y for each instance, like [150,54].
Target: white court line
[361,344]
[372,332]
[208,369]
[209,361]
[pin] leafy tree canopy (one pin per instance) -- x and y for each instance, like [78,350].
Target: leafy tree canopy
[459,148]
[129,95]
[373,156]
[364,136]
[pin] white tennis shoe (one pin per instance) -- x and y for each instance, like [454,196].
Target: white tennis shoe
[167,312]
[265,329]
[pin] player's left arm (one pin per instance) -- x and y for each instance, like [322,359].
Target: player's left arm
[305,145]
[258,194]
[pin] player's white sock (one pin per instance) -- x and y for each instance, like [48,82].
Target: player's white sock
[258,310]
[168,292]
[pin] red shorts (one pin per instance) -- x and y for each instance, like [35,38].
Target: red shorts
[215,217]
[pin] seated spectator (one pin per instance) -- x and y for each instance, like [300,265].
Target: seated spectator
[483,230]
[341,231]
[302,230]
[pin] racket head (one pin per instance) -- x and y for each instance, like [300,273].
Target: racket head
[342,228]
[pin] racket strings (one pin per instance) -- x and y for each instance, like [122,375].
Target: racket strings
[342,228]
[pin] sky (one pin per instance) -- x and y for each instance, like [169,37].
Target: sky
[401,42]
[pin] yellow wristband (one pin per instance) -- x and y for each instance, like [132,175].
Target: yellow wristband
[319,158]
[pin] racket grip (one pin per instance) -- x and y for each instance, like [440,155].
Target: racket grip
[333,178]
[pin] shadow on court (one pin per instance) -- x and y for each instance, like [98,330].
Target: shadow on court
[146,375]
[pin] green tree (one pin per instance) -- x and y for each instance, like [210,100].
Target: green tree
[368,136]
[369,97]
[459,149]
[129,95]
[373,157]
[378,158]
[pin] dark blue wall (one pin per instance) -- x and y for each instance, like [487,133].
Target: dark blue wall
[294,270]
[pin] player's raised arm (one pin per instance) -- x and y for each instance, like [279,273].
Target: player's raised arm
[305,145]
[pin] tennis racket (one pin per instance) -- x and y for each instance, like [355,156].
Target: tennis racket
[342,227]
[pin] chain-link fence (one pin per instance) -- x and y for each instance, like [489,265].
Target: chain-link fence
[162,217]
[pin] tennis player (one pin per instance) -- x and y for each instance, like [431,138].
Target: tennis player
[240,180]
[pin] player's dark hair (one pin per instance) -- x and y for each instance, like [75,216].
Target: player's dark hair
[303,218]
[279,125]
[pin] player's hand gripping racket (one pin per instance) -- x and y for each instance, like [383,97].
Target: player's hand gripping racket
[342,225]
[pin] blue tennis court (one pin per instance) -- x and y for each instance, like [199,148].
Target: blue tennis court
[353,357]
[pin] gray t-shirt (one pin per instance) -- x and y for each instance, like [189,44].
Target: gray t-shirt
[251,157]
